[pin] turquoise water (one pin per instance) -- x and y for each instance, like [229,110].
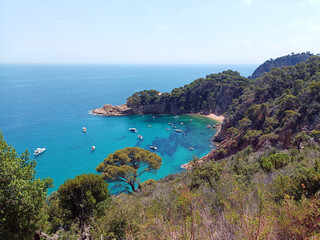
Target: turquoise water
[47,105]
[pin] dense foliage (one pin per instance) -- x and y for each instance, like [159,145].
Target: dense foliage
[22,196]
[213,93]
[80,198]
[288,60]
[126,165]
[280,109]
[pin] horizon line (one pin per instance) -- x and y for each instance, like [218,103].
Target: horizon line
[21,63]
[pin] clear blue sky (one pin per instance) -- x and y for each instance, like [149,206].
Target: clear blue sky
[156,31]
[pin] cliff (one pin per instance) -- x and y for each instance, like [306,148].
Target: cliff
[289,60]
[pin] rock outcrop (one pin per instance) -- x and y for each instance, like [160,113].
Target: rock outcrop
[110,110]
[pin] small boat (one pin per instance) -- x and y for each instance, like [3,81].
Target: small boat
[149,126]
[133,130]
[168,129]
[170,123]
[153,147]
[84,129]
[176,116]
[93,148]
[179,130]
[140,137]
[38,151]
[181,123]
[191,148]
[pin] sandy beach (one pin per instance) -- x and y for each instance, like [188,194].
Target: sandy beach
[215,117]
[218,118]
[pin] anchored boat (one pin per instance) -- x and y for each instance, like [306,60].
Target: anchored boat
[38,151]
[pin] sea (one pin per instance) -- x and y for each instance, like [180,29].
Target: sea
[46,106]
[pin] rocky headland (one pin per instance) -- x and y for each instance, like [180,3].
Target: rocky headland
[110,110]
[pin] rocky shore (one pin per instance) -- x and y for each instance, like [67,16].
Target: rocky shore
[110,110]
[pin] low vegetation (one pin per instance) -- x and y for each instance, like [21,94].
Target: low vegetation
[234,198]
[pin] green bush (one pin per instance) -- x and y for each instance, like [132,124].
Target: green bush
[275,161]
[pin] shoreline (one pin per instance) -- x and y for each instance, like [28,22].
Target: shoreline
[219,119]
[123,110]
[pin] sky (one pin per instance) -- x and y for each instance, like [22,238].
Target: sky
[156,31]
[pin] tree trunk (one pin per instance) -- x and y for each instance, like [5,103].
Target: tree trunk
[132,186]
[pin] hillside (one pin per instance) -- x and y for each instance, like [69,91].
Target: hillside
[214,93]
[289,60]
[273,111]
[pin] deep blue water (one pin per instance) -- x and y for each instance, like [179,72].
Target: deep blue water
[47,105]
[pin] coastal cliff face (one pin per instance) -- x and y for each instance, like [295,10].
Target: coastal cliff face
[289,60]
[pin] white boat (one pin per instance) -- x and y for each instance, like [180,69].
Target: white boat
[133,130]
[170,123]
[176,116]
[191,148]
[149,126]
[153,147]
[84,129]
[181,123]
[179,130]
[38,151]
[168,129]
[93,148]
[140,137]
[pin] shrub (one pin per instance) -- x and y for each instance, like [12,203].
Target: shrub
[275,161]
